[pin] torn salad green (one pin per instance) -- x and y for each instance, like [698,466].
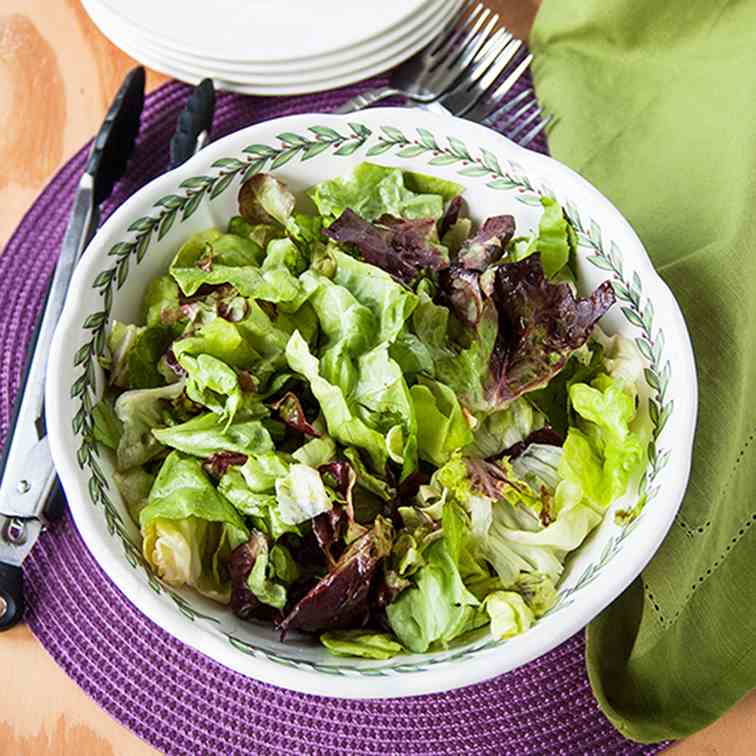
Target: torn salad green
[375,420]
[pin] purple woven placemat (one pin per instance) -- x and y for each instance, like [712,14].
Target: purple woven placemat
[179,700]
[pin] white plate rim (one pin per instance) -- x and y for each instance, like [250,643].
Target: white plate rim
[303,74]
[280,71]
[375,37]
[342,79]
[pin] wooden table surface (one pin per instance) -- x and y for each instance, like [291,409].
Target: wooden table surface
[57,76]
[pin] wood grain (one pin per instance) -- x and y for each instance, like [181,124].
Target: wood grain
[57,76]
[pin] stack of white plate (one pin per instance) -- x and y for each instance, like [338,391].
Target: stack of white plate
[271,47]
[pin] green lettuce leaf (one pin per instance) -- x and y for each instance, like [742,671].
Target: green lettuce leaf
[301,495]
[556,239]
[261,471]
[214,258]
[140,412]
[121,340]
[517,544]
[537,591]
[135,353]
[305,229]
[437,607]
[389,302]
[412,355]
[366,480]
[268,334]
[441,425]
[316,451]
[343,424]
[505,428]
[524,532]
[346,322]
[623,363]
[262,580]
[467,370]
[251,490]
[188,528]
[134,486]
[259,233]
[283,564]
[553,399]
[161,302]
[602,454]
[422,183]
[208,434]
[213,384]
[383,401]
[220,339]
[246,501]
[374,190]
[456,236]
[285,255]
[265,199]
[367,644]
[182,490]
[509,614]
[107,427]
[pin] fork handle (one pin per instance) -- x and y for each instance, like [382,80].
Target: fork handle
[366,99]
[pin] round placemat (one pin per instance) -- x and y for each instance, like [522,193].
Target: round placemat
[179,700]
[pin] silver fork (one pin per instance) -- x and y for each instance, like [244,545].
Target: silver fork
[435,69]
[493,59]
[524,106]
[488,104]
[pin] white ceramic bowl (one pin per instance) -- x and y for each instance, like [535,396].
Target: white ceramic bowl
[141,237]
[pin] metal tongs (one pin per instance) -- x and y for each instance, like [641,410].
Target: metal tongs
[29,493]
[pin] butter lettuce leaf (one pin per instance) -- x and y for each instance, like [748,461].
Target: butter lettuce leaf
[374,190]
[188,529]
[442,427]
[208,434]
[509,614]
[140,412]
[389,302]
[265,199]
[212,258]
[555,241]
[301,495]
[437,607]
[343,424]
[383,401]
[182,489]
[602,453]
[367,644]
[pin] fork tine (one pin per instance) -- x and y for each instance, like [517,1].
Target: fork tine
[500,36]
[502,58]
[489,104]
[454,24]
[536,130]
[514,117]
[468,27]
[454,66]
[520,128]
[489,73]
[468,89]
[488,53]
[507,106]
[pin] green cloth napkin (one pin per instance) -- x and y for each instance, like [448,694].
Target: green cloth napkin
[656,104]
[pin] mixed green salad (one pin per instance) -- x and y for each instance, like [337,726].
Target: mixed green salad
[371,421]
